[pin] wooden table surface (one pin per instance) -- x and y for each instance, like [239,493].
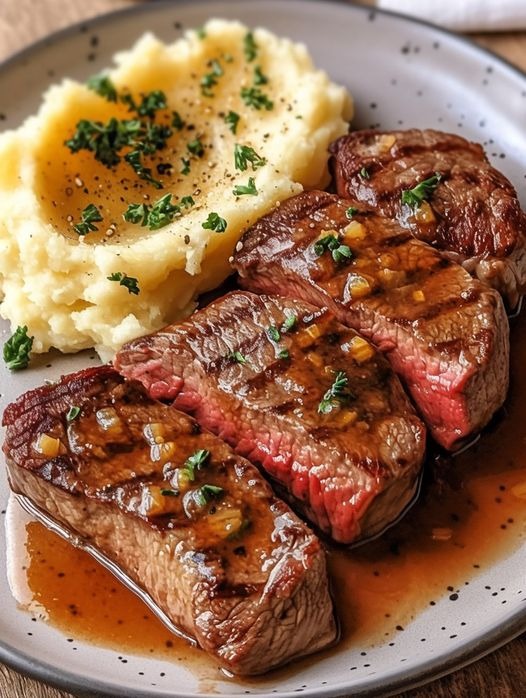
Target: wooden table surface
[500,675]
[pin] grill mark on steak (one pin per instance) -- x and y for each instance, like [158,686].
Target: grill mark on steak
[449,343]
[250,611]
[351,471]
[477,216]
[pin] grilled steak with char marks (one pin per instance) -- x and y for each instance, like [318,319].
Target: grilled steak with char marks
[445,334]
[299,394]
[473,214]
[192,523]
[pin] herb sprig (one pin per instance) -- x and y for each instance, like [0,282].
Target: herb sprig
[232,120]
[340,253]
[129,282]
[196,461]
[255,98]
[237,357]
[89,216]
[206,493]
[421,192]
[17,349]
[250,48]
[244,154]
[157,216]
[246,189]
[335,394]
[215,222]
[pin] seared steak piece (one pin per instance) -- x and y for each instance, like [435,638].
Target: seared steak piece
[445,334]
[193,524]
[473,214]
[297,393]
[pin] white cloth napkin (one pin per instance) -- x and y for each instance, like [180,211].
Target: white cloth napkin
[464,15]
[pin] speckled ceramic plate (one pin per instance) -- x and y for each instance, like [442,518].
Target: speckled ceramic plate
[402,73]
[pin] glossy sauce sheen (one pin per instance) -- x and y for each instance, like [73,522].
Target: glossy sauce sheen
[473,498]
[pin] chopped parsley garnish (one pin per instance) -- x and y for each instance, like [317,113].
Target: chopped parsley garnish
[167,492]
[141,135]
[350,212]
[340,253]
[274,333]
[104,140]
[215,222]
[284,354]
[201,33]
[129,282]
[157,216]
[364,173]
[289,323]
[243,154]
[250,47]
[134,158]
[154,138]
[73,413]
[196,462]
[196,148]
[187,201]
[206,493]
[422,192]
[237,357]
[255,98]
[209,80]
[185,169]
[103,86]
[259,78]
[244,189]
[177,122]
[151,103]
[335,394]
[89,216]
[17,349]
[232,120]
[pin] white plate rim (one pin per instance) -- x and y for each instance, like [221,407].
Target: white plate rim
[428,671]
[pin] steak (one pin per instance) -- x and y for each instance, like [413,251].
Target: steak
[473,214]
[192,523]
[445,334]
[300,395]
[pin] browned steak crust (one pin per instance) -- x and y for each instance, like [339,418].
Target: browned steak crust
[445,333]
[238,571]
[474,212]
[351,462]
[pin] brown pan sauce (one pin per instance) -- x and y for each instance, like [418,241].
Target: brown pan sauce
[471,513]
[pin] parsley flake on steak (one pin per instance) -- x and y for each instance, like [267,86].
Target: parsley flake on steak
[335,394]
[421,192]
[340,253]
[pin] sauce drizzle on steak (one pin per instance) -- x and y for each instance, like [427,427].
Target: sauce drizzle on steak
[114,475]
[445,334]
[315,405]
[473,215]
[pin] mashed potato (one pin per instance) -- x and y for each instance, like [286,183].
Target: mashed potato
[247,122]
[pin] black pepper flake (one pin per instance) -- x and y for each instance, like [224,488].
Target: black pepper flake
[186,239]
[453,597]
